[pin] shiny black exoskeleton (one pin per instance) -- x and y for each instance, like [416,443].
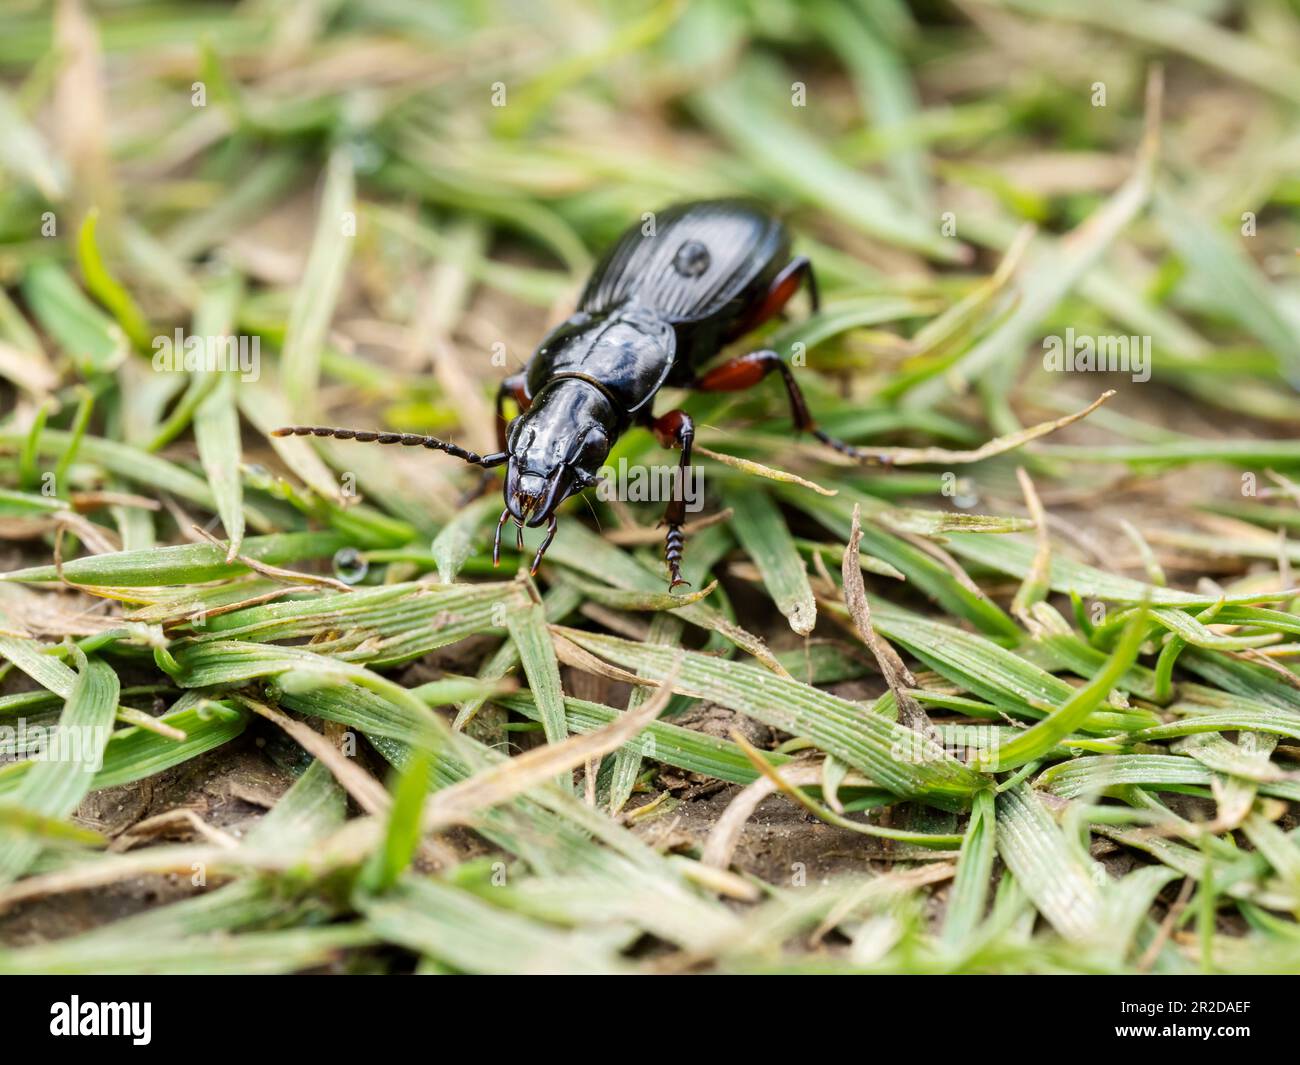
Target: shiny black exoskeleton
[663,300]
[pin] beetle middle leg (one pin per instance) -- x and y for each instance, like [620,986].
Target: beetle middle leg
[745,371]
[797,272]
[675,429]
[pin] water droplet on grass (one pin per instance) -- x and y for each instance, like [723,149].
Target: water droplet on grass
[349,566]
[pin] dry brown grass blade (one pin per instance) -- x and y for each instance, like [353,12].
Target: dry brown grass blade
[900,881]
[757,469]
[1035,586]
[892,668]
[84,501]
[276,573]
[46,614]
[365,789]
[98,540]
[30,372]
[913,456]
[725,835]
[140,719]
[161,860]
[170,820]
[80,117]
[580,658]
[502,782]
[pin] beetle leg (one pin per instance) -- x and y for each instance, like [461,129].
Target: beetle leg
[370,436]
[745,371]
[515,387]
[546,542]
[496,540]
[675,429]
[780,292]
[511,386]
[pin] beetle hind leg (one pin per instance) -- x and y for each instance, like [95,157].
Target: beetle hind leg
[675,429]
[745,371]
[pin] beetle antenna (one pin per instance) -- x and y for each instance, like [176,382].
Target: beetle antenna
[370,436]
[550,535]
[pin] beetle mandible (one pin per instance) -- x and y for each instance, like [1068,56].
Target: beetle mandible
[654,310]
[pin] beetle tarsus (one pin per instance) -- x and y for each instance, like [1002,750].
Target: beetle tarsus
[861,453]
[675,427]
[674,543]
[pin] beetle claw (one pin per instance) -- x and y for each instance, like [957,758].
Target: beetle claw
[862,454]
[674,543]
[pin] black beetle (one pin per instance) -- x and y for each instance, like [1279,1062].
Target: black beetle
[663,300]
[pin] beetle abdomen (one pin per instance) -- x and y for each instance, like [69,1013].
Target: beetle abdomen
[694,261]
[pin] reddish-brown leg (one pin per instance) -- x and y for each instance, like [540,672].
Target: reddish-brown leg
[799,271]
[745,371]
[515,387]
[675,429]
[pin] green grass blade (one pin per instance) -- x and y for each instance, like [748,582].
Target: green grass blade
[527,627]
[970,887]
[894,757]
[63,776]
[314,302]
[762,532]
[1052,870]
[216,420]
[1043,736]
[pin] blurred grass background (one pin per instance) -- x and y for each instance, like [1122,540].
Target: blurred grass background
[397,199]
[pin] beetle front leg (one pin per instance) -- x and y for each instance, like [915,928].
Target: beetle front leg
[745,371]
[675,429]
[513,386]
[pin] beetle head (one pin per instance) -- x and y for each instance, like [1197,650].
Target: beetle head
[556,448]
